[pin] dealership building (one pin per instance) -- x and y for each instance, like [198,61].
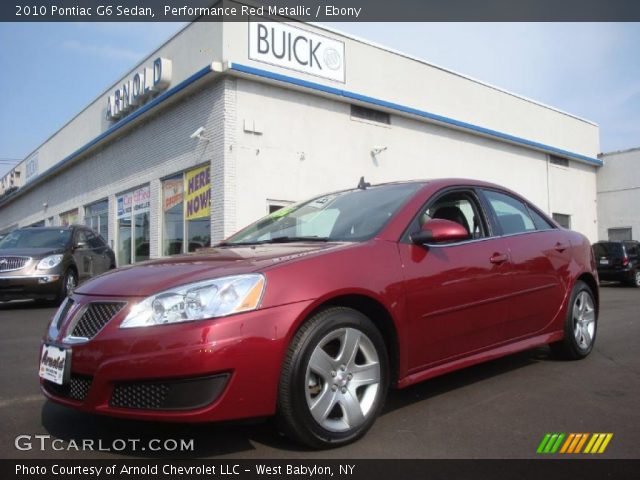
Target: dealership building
[227,122]
[619,195]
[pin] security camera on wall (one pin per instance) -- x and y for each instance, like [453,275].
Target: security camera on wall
[198,133]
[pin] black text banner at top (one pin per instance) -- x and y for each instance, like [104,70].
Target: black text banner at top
[322,10]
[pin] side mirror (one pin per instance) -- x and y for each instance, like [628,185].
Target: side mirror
[439,231]
[81,245]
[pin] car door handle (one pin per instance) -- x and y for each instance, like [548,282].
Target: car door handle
[560,247]
[499,258]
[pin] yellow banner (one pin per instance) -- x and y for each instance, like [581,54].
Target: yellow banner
[197,187]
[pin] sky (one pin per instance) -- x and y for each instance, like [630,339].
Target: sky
[49,72]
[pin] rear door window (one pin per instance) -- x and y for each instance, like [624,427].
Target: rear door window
[511,214]
[607,249]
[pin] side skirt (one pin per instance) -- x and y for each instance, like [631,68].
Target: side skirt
[481,357]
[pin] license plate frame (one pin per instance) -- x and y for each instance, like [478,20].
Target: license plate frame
[52,371]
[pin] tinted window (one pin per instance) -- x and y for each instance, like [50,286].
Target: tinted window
[36,238]
[540,222]
[607,249]
[93,240]
[459,207]
[81,237]
[632,249]
[512,215]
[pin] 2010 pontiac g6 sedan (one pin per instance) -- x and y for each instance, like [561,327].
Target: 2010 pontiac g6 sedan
[313,312]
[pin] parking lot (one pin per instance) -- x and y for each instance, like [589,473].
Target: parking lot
[501,409]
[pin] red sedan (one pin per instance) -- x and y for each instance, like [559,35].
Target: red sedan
[314,311]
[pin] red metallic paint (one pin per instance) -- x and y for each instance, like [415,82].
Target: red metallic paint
[450,306]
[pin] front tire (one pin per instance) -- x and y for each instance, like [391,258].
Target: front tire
[334,379]
[580,326]
[67,285]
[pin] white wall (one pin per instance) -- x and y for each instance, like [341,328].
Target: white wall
[619,192]
[389,76]
[310,145]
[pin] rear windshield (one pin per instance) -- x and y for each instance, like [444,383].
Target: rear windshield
[50,238]
[608,249]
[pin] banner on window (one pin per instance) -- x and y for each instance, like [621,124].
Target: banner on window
[173,192]
[124,205]
[138,201]
[141,200]
[197,185]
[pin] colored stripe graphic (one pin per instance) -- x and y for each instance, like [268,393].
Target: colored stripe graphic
[572,443]
[550,443]
[598,442]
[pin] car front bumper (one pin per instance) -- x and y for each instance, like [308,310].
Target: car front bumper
[18,287]
[208,370]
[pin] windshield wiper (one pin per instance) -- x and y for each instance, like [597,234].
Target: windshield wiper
[287,239]
[283,239]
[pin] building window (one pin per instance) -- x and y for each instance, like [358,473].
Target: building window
[133,226]
[364,113]
[96,217]
[186,200]
[620,234]
[555,160]
[69,218]
[275,205]
[562,219]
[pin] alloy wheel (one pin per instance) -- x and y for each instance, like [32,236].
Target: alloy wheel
[70,283]
[584,319]
[342,380]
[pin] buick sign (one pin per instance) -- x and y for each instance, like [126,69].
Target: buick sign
[296,49]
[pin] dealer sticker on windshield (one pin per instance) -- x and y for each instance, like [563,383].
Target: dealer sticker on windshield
[54,364]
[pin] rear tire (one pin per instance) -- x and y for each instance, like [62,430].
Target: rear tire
[334,379]
[580,325]
[634,281]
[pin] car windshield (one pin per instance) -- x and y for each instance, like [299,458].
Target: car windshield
[49,238]
[352,215]
[607,249]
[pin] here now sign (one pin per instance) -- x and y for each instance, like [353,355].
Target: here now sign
[197,187]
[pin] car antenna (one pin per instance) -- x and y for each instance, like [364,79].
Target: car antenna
[362,185]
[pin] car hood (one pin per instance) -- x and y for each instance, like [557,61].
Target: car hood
[29,252]
[153,276]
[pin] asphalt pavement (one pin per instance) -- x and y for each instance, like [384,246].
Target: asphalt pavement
[501,409]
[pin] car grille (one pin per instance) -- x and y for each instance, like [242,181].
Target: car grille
[176,394]
[95,317]
[7,264]
[149,396]
[77,388]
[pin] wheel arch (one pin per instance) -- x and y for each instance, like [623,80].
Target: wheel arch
[375,311]
[590,280]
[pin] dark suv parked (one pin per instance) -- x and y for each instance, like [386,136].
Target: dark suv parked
[46,263]
[618,261]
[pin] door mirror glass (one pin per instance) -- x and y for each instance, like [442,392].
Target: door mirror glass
[80,245]
[440,231]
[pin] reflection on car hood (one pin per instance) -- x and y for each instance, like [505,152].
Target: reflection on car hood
[29,252]
[154,276]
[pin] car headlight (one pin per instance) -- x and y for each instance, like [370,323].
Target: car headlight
[198,301]
[49,262]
